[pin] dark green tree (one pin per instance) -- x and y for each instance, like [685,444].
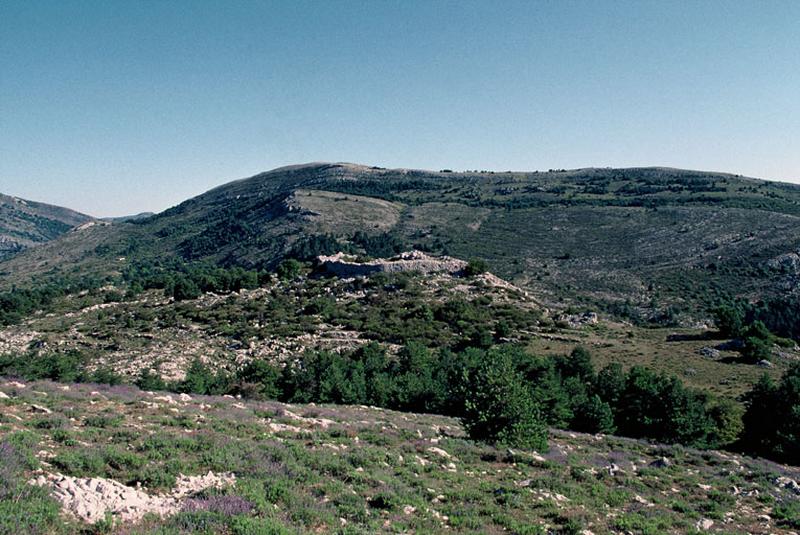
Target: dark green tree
[729,320]
[501,408]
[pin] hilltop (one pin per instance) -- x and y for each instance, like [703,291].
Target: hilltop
[26,223]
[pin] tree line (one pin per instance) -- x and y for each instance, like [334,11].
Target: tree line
[501,394]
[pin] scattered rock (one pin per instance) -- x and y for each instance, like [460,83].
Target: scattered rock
[185,397]
[764,364]
[709,352]
[40,409]
[704,524]
[575,321]
[663,462]
[440,452]
[3,395]
[614,469]
[278,428]
[788,484]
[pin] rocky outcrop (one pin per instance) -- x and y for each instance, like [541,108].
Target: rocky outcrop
[90,499]
[343,265]
[786,263]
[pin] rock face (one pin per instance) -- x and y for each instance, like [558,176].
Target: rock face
[89,499]
[343,265]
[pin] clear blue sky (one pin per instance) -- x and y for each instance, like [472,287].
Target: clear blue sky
[114,107]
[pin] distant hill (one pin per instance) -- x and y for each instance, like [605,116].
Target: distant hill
[27,223]
[126,218]
[639,242]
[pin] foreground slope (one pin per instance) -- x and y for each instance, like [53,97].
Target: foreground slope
[27,223]
[644,242]
[268,467]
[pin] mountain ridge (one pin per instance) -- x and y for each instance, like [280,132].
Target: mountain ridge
[25,223]
[592,236]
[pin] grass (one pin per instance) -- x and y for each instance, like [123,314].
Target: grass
[373,470]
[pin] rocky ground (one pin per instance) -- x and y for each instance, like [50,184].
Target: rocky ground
[152,331]
[109,455]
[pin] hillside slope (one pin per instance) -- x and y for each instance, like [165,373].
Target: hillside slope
[291,469]
[641,241]
[27,223]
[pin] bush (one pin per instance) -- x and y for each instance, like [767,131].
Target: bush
[259,380]
[289,269]
[501,408]
[476,266]
[772,418]
[184,289]
[729,320]
[756,349]
[24,508]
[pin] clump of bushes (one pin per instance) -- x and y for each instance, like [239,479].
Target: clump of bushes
[502,394]
[772,419]
[749,323]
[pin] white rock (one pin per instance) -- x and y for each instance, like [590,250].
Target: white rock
[440,452]
[39,408]
[704,524]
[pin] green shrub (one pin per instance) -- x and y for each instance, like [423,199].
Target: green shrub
[476,266]
[500,407]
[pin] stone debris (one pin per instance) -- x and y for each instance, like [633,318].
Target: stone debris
[788,484]
[90,499]
[313,422]
[3,395]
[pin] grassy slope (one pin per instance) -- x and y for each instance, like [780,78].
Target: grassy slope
[364,470]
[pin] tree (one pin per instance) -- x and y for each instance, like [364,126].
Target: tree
[501,408]
[260,380]
[727,417]
[610,384]
[772,418]
[593,415]
[577,364]
[184,289]
[476,266]
[729,320]
[756,349]
[289,269]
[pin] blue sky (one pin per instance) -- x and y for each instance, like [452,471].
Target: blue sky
[116,107]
